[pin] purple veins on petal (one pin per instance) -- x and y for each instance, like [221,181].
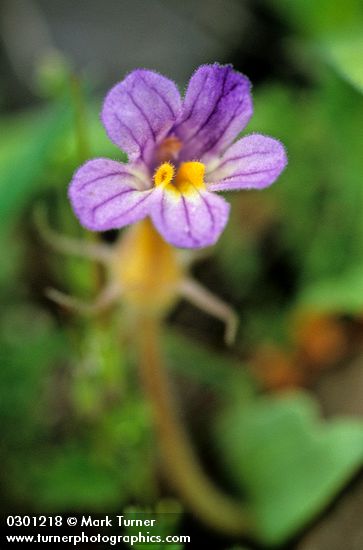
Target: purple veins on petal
[105,195]
[139,112]
[189,220]
[179,154]
[217,106]
[253,162]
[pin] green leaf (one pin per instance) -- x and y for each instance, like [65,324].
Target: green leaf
[342,294]
[287,462]
[345,55]
[22,164]
[317,18]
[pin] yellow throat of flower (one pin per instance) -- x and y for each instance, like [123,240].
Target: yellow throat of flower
[147,268]
[189,177]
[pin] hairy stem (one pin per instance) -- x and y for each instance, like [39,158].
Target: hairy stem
[181,466]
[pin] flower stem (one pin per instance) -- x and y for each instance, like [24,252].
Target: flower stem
[181,466]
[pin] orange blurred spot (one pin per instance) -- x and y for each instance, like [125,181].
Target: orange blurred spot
[321,338]
[276,368]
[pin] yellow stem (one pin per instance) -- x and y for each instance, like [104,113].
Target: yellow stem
[180,463]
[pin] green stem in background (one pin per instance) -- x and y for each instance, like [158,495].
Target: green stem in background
[80,125]
[83,153]
[181,466]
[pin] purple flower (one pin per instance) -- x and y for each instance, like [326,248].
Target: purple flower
[179,154]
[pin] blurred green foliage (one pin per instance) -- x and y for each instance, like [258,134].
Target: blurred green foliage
[167,514]
[77,433]
[26,146]
[287,461]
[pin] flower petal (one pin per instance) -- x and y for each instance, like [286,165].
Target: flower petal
[189,220]
[253,162]
[139,112]
[104,195]
[217,106]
